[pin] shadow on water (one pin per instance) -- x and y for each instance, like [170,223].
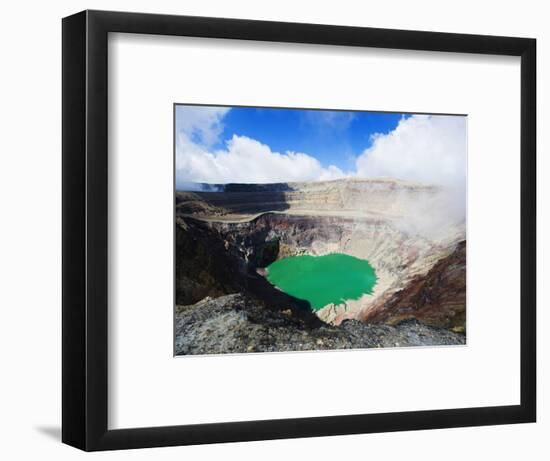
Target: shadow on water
[277,300]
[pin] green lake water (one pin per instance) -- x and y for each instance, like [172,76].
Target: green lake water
[322,280]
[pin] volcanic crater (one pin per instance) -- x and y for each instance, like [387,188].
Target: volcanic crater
[227,235]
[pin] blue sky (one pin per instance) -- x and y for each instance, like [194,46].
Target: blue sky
[332,137]
[258,145]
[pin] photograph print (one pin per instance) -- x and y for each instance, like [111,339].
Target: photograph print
[310,230]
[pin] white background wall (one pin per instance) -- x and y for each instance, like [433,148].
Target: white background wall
[30,226]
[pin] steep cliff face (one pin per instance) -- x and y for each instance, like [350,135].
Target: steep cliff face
[203,266]
[225,239]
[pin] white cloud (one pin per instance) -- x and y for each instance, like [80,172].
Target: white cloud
[242,160]
[245,160]
[203,124]
[424,148]
[429,149]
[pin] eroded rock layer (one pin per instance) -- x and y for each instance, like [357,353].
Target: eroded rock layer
[437,298]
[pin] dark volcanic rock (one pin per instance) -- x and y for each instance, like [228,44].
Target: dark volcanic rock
[237,323]
[203,267]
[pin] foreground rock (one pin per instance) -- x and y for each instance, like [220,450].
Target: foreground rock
[238,323]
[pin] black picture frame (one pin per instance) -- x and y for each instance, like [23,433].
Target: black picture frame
[85,224]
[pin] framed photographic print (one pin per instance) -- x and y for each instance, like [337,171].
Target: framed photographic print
[275,252]
[278,230]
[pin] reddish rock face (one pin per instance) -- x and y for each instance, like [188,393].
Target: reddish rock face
[437,299]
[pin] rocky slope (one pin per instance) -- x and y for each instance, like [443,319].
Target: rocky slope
[438,298]
[237,323]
